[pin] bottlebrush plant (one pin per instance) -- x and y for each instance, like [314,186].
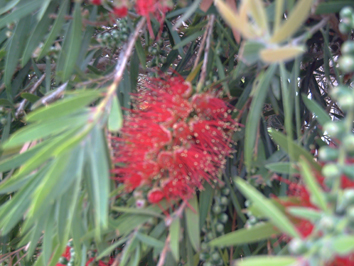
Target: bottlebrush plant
[163,132]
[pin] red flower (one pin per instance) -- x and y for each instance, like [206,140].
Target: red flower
[171,142]
[120,12]
[96,2]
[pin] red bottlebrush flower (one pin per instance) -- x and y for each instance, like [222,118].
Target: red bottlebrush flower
[120,12]
[96,2]
[146,7]
[167,146]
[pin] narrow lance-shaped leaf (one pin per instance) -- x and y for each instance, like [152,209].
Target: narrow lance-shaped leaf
[317,195]
[192,222]
[246,235]
[266,207]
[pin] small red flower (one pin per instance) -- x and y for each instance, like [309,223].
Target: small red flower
[169,144]
[120,12]
[96,2]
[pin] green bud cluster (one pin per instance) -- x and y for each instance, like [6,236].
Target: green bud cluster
[115,37]
[347,18]
[157,54]
[346,62]
[215,228]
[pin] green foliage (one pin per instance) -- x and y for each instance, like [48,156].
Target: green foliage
[68,69]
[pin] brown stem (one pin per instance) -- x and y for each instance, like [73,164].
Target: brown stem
[206,53]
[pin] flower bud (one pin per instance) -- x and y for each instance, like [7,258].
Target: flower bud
[297,246]
[348,143]
[346,63]
[219,228]
[348,48]
[334,129]
[331,171]
[327,223]
[346,12]
[339,91]
[327,153]
[346,102]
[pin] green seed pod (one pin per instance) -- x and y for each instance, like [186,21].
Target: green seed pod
[327,223]
[3,121]
[204,256]
[331,171]
[334,129]
[223,218]
[348,171]
[163,60]
[124,37]
[215,256]
[210,236]
[346,12]
[348,143]
[63,260]
[204,247]
[346,102]
[348,197]
[219,227]
[216,209]
[346,63]
[225,191]
[339,91]
[224,201]
[154,51]
[297,246]
[348,48]
[327,153]
[344,28]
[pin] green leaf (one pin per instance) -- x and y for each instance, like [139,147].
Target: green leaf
[9,6]
[44,129]
[305,213]
[111,248]
[246,235]
[250,52]
[99,176]
[55,29]
[317,195]
[38,33]
[48,235]
[24,8]
[205,200]
[115,118]
[14,51]
[260,91]
[314,107]
[266,261]
[343,245]
[175,233]
[64,107]
[192,223]
[5,102]
[30,97]
[141,54]
[189,12]
[298,150]
[150,241]
[137,211]
[188,39]
[71,46]
[266,207]
[331,7]
[282,168]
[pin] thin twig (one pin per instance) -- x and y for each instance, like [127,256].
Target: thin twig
[52,96]
[164,252]
[206,52]
[310,32]
[201,48]
[20,109]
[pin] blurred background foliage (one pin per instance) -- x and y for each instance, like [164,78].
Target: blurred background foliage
[67,69]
